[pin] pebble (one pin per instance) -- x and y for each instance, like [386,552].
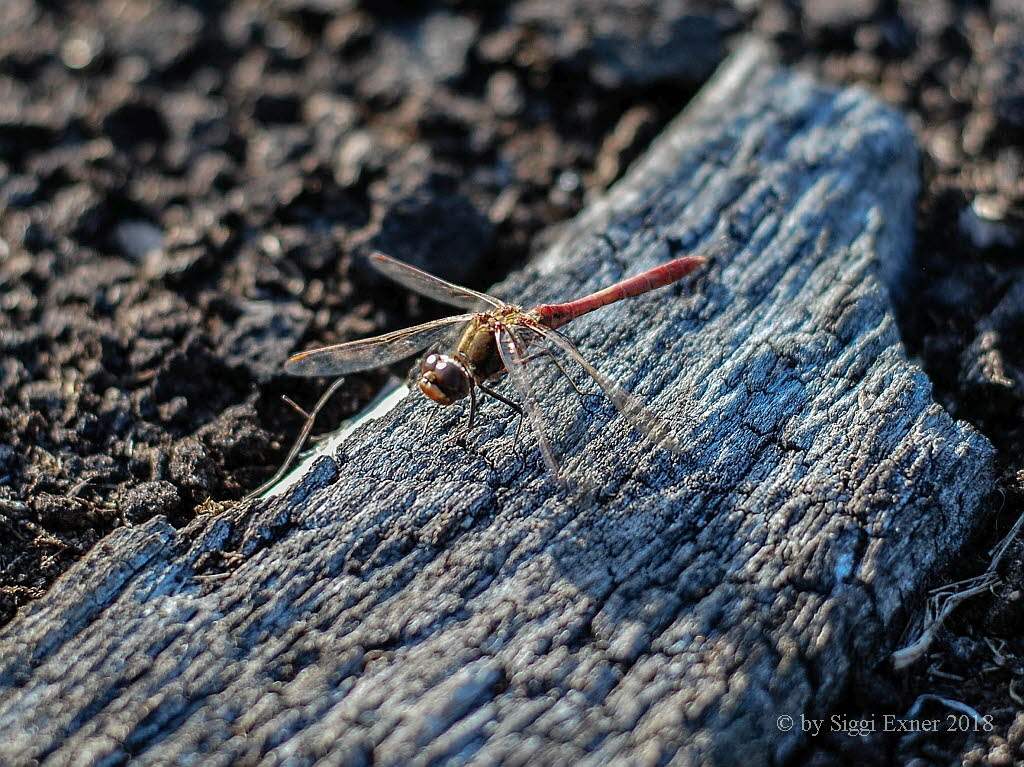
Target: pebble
[137,239]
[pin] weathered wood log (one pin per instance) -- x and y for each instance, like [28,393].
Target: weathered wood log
[418,601]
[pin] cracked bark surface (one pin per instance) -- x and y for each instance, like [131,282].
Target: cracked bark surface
[416,601]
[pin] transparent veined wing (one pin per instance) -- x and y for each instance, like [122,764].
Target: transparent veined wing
[430,286]
[512,356]
[638,415]
[368,353]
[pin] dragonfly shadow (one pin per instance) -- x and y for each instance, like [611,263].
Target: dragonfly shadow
[603,540]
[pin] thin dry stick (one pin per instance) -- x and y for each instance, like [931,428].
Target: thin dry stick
[945,599]
[1014,695]
[998,551]
[301,440]
[979,720]
[294,405]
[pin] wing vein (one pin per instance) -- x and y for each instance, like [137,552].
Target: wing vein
[428,285]
[367,353]
[638,414]
[512,357]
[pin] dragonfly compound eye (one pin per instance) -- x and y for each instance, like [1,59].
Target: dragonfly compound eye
[443,379]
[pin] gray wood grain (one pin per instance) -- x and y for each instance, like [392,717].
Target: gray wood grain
[417,601]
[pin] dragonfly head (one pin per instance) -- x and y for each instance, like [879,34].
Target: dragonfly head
[444,379]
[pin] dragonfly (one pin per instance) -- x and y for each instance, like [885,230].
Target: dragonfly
[495,339]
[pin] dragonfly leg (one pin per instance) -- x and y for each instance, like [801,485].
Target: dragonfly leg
[502,398]
[551,355]
[472,407]
[515,407]
[434,412]
[460,435]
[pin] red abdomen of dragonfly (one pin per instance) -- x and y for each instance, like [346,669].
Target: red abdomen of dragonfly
[556,315]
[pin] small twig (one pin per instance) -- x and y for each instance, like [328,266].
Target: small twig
[948,703]
[939,607]
[939,674]
[78,487]
[1014,695]
[300,441]
[1000,550]
[997,647]
[45,537]
[945,599]
[14,531]
[295,406]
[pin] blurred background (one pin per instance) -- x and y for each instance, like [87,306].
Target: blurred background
[187,190]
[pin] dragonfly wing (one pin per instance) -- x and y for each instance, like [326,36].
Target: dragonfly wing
[430,286]
[638,415]
[368,353]
[512,356]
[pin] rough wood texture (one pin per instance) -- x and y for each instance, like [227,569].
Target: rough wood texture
[418,601]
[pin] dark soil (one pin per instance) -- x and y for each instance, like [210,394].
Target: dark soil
[187,189]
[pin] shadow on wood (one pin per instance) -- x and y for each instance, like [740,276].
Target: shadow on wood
[416,600]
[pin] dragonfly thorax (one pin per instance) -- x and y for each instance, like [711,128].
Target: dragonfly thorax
[444,378]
